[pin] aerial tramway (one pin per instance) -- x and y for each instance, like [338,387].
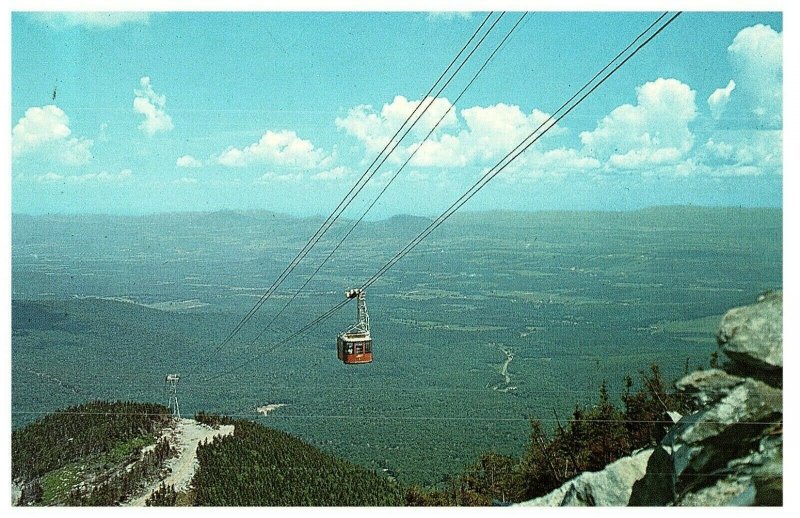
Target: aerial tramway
[355,345]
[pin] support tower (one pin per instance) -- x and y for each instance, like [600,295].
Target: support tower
[171,388]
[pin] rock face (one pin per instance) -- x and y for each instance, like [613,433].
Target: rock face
[729,451]
[753,335]
[609,487]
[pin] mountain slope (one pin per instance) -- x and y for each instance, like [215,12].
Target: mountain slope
[109,453]
[264,467]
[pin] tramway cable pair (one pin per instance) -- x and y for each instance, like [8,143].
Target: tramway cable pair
[358,334]
[418,146]
[393,142]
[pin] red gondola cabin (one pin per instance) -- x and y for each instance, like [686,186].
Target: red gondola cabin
[355,345]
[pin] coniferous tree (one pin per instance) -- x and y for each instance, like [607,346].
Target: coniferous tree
[164,496]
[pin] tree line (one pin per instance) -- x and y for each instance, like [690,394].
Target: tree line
[591,439]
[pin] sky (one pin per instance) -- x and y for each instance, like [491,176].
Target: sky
[136,112]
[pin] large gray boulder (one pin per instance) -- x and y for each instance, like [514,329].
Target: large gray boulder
[608,487]
[707,440]
[755,479]
[707,386]
[753,335]
[657,487]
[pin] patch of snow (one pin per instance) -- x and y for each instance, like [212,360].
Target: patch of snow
[266,409]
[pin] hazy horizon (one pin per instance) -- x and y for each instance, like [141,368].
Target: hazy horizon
[401,214]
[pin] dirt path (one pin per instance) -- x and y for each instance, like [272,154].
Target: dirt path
[504,371]
[186,435]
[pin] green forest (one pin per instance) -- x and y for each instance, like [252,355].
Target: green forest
[52,457]
[91,455]
[265,467]
[75,432]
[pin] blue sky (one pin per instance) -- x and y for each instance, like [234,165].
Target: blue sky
[283,111]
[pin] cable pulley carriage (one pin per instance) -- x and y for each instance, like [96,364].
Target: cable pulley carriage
[355,345]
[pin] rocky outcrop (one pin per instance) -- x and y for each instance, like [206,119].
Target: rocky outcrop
[729,451]
[609,487]
[752,336]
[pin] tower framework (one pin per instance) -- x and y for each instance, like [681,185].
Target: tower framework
[171,388]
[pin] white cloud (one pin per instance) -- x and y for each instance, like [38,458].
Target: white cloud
[337,173]
[283,148]
[481,135]
[445,151]
[101,177]
[375,129]
[40,125]
[718,100]
[731,153]
[742,152]
[271,177]
[44,131]
[90,20]
[449,15]
[757,57]
[495,130]
[653,133]
[535,164]
[654,137]
[150,104]
[188,161]
[49,178]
